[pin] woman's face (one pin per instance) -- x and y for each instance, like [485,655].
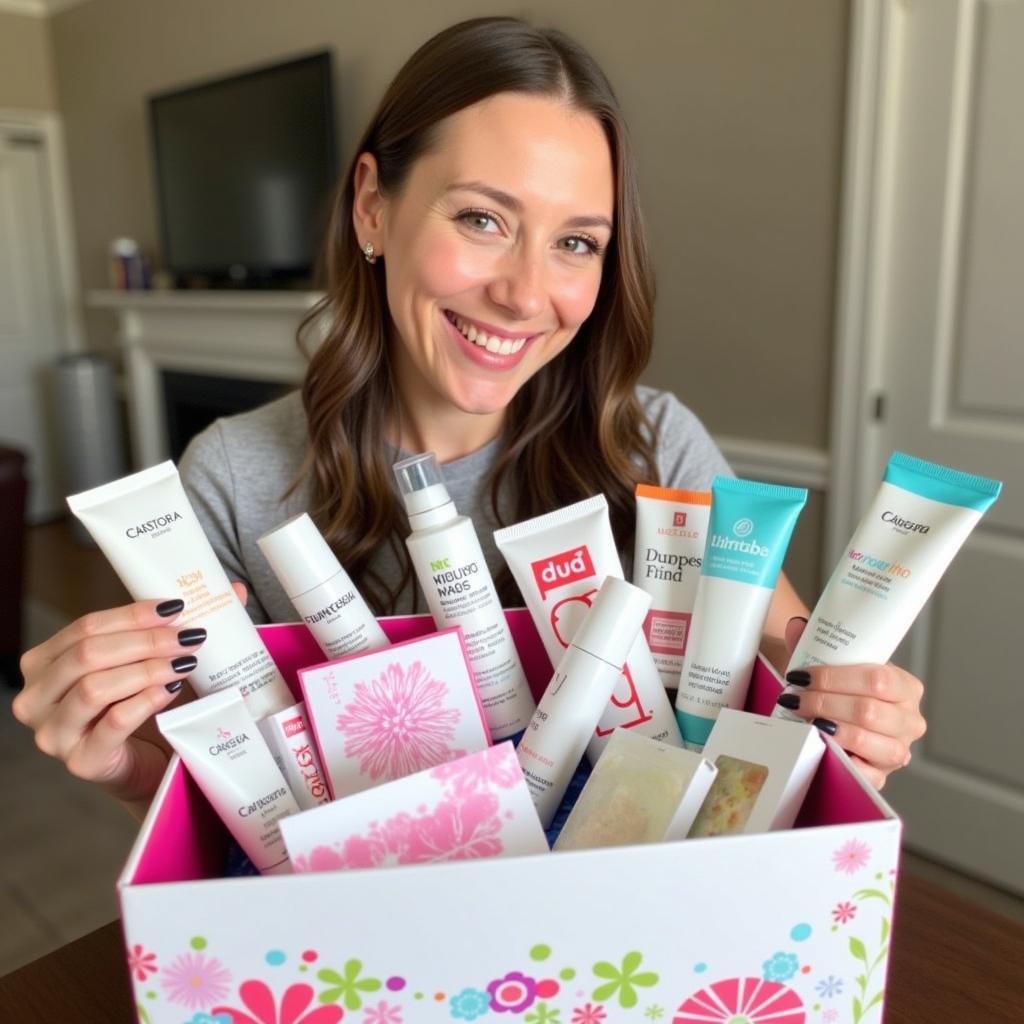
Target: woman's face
[493,250]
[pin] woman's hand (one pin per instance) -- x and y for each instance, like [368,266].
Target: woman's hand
[874,711]
[93,684]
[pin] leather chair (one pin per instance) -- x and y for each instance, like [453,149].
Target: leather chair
[13,539]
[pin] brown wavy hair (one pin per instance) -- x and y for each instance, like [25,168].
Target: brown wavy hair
[575,428]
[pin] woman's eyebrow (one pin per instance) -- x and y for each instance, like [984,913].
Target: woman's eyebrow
[515,205]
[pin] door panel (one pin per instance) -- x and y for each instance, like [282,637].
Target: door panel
[950,345]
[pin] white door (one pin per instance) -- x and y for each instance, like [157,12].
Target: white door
[29,336]
[946,334]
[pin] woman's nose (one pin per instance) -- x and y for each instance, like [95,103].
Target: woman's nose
[519,285]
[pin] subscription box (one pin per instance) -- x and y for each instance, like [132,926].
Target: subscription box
[780,928]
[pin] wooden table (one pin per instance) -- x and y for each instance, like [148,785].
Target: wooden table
[951,961]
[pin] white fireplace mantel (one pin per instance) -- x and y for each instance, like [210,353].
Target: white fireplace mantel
[248,335]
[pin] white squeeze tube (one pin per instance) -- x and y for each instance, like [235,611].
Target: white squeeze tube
[450,566]
[559,560]
[751,524]
[920,517]
[578,693]
[320,589]
[149,532]
[224,752]
[671,530]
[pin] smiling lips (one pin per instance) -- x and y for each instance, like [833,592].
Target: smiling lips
[500,346]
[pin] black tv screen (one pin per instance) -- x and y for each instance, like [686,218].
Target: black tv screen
[244,170]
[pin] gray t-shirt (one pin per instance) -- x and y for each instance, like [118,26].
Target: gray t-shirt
[237,470]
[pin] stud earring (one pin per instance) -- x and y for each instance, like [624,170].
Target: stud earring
[368,253]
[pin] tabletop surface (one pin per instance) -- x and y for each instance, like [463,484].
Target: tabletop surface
[950,961]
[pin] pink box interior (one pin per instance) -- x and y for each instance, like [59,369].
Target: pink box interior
[188,841]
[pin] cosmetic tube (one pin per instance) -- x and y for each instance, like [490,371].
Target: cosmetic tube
[671,530]
[578,693]
[450,566]
[751,524]
[291,744]
[559,560]
[227,756]
[919,519]
[149,532]
[320,589]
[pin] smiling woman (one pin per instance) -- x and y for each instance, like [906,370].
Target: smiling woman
[509,301]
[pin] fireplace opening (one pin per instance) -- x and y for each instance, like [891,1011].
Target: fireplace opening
[192,401]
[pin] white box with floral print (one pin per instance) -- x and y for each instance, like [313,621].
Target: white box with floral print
[784,927]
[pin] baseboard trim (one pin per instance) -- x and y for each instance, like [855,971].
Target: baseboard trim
[794,464]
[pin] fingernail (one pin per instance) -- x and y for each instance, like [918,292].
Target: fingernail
[799,618]
[169,608]
[192,637]
[798,677]
[173,687]
[789,700]
[826,725]
[183,665]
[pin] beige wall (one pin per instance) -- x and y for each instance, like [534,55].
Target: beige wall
[26,64]
[736,113]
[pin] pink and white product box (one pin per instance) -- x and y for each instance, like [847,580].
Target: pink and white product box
[477,806]
[384,714]
[784,927]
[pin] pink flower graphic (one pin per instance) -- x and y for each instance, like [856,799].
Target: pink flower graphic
[455,830]
[843,912]
[259,1002]
[498,767]
[141,963]
[750,1000]
[195,981]
[589,1014]
[830,1015]
[382,1013]
[397,724]
[851,856]
[513,993]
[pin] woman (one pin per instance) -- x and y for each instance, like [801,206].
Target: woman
[490,299]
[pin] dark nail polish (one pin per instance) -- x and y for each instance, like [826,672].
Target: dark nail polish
[826,725]
[789,700]
[173,687]
[169,608]
[798,677]
[183,665]
[191,637]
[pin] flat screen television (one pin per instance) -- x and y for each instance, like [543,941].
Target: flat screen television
[244,170]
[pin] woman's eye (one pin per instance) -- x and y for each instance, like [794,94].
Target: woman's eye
[582,245]
[479,220]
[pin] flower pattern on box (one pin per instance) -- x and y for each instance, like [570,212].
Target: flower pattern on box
[751,1000]
[195,981]
[630,988]
[397,724]
[261,1006]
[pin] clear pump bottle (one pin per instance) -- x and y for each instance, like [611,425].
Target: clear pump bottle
[446,556]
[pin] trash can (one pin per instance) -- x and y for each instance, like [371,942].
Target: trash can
[90,431]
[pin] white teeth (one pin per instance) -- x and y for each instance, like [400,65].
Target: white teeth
[498,346]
